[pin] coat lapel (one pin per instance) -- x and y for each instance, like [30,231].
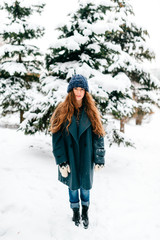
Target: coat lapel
[84,123]
[73,129]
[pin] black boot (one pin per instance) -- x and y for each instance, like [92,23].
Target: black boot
[76,216]
[84,216]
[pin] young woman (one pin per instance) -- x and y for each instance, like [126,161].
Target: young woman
[78,144]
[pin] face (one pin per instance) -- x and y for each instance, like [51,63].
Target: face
[79,93]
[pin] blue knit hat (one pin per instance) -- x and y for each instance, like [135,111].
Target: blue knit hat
[78,81]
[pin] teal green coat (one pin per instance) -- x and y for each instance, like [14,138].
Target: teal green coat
[81,150]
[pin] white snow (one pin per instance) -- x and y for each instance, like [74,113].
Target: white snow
[107,83]
[72,43]
[13,67]
[23,3]
[124,200]
[8,48]
[20,27]
[96,2]
[100,27]
[94,46]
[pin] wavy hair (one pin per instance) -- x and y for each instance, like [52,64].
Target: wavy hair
[65,111]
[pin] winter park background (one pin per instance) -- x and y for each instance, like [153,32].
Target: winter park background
[107,44]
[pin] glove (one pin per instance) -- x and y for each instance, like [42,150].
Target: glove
[97,167]
[64,169]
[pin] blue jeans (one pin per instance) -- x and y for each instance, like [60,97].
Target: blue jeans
[74,197]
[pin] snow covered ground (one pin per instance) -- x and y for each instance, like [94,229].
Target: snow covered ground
[125,199]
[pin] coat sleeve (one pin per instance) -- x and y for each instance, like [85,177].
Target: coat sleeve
[58,148]
[98,149]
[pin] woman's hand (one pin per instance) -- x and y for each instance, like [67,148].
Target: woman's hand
[64,169]
[97,167]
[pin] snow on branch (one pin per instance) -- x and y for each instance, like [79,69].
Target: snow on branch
[13,67]
[23,3]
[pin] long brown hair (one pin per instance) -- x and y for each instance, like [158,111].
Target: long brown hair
[65,111]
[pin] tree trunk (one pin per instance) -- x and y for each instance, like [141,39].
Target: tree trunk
[122,123]
[21,116]
[139,118]
[20,58]
[19,55]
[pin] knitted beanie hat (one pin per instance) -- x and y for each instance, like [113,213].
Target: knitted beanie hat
[78,81]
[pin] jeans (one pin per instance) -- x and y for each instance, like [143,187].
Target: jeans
[74,197]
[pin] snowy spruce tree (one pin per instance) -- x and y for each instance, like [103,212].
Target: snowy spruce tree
[19,61]
[133,50]
[87,45]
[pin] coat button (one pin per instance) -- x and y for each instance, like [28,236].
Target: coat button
[71,145]
[85,145]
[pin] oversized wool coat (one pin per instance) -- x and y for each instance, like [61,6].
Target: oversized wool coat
[81,150]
